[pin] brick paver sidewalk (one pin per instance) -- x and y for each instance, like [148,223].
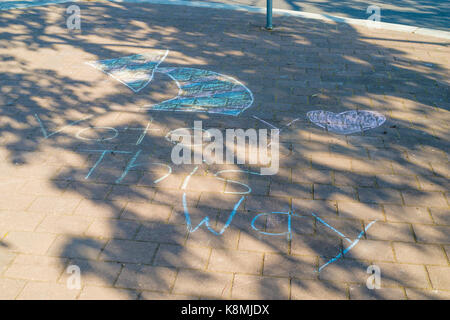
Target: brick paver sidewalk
[61,204]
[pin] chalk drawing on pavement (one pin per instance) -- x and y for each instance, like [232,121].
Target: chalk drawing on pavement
[135,71]
[205,91]
[199,90]
[347,122]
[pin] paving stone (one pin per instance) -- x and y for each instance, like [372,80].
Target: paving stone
[417,294]
[312,176]
[62,224]
[396,213]
[396,182]
[322,162]
[162,233]
[10,288]
[129,251]
[76,247]
[148,295]
[146,277]
[326,192]
[440,277]
[29,242]
[411,169]
[354,179]
[361,292]
[419,253]
[54,205]
[432,183]
[205,238]
[16,202]
[146,212]
[383,196]
[343,270]
[183,257]
[242,261]
[338,228]
[113,229]
[322,208]
[19,220]
[390,231]
[99,209]
[131,193]
[47,291]
[255,241]
[403,275]
[363,211]
[441,215]
[44,188]
[424,198]
[38,268]
[294,190]
[102,293]
[432,233]
[301,267]
[372,250]
[95,273]
[371,166]
[261,288]
[266,204]
[203,284]
[319,245]
[317,290]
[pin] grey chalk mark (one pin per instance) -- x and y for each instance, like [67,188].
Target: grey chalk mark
[347,122]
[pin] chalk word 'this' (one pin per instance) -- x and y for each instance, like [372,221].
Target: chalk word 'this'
[190,149]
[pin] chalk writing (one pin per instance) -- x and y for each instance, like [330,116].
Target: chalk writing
[48,135]
[288,233]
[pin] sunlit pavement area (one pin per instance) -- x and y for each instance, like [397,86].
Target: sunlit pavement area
[371,200]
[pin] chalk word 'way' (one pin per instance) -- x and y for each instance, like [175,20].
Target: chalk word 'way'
[288,214]
[198,90]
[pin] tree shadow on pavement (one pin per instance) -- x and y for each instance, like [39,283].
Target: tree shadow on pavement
[136,237]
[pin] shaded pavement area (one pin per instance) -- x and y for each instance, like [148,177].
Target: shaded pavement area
[60,206]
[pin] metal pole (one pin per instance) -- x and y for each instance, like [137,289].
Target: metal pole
[269,15]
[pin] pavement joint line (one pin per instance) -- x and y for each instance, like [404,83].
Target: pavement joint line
[280,12]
